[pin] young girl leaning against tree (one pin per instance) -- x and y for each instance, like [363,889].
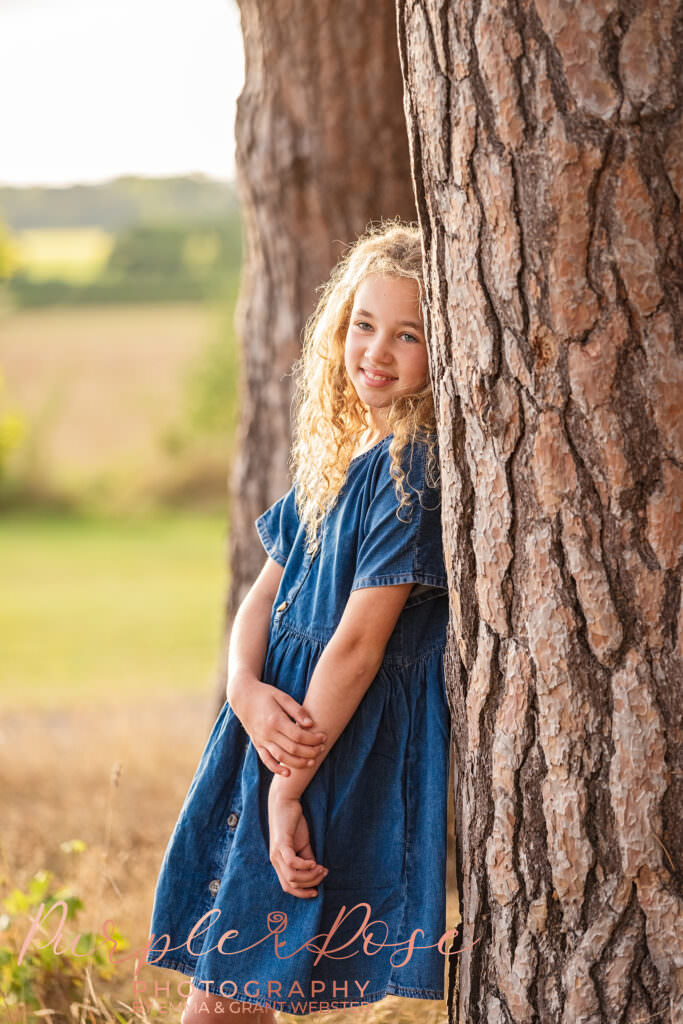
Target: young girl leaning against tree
[311,845]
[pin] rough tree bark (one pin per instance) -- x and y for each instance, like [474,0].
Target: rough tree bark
[546,141]
[321,151]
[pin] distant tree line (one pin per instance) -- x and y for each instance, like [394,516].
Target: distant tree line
[168,262]
[176,239]
[119,203]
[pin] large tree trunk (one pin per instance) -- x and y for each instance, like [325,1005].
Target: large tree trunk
[546,146]
[321,151]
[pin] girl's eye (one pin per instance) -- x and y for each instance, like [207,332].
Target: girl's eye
[363,324]
[411,337]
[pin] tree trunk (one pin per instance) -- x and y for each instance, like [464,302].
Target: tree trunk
[546,144]
[321,151]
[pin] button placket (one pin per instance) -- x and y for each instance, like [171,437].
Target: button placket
[280,609]
[294,590]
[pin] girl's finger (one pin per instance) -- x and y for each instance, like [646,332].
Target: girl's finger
[308,737]
[293,888]
[301,893]
[301,729]
[299,735]
[296,758]
[282,755]
[306,749]
[276,751]
[305,879]
[293,708]
[291,861]
[297,874]
[306,851]
[275,755]
[271,763]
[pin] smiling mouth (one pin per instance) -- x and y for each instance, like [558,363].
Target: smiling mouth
[377,377]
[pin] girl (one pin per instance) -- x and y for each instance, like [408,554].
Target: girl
[307,868]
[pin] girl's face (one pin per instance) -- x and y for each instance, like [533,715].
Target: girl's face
[385,352]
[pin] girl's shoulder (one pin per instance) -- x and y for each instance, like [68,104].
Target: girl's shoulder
[419,445]
[418,482]
[414,456]
[400,522]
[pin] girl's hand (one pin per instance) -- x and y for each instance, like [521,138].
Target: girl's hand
[266,714]
[290,848]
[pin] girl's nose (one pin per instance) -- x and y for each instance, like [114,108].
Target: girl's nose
[377,350]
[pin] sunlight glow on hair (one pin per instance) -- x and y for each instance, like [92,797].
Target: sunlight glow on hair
[329,418]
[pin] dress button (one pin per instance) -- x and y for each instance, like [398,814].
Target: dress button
[281,607]
[214,886]
[233,818]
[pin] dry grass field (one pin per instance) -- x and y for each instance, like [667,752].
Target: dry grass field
[99,384]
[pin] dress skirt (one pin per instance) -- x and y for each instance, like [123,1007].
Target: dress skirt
[376,808]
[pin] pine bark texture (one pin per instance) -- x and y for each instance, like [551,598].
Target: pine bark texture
[321,151]
[546,143]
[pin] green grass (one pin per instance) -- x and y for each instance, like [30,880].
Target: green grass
[97,610]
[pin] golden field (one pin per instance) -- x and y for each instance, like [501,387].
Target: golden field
[99,386]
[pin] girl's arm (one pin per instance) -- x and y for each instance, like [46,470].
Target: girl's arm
[346,669]
[265,711]
[340,680]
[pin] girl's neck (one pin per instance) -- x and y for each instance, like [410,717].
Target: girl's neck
[369,438]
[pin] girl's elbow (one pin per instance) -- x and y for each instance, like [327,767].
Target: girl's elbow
[361,658]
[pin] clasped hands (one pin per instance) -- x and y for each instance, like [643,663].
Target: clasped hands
[291,853]
[281,732]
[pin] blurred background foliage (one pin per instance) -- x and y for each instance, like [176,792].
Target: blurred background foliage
[116,270]
[131,240]
[119,385]
[117,204]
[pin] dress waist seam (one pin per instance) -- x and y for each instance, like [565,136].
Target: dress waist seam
[393,659]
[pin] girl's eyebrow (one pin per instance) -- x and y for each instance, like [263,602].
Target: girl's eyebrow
[407,323]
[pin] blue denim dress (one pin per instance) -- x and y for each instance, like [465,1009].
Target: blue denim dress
[376,808]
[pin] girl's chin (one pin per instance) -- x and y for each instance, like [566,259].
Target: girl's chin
[371,401]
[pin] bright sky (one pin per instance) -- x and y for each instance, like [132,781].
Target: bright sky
[90,89]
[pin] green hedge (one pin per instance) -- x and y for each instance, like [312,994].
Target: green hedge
[177,261]
[28,293]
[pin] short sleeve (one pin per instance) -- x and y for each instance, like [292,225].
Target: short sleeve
[278,527]
[407,549]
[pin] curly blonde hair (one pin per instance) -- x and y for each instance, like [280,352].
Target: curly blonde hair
[329,418]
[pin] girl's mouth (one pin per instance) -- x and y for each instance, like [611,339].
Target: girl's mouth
[376,380]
